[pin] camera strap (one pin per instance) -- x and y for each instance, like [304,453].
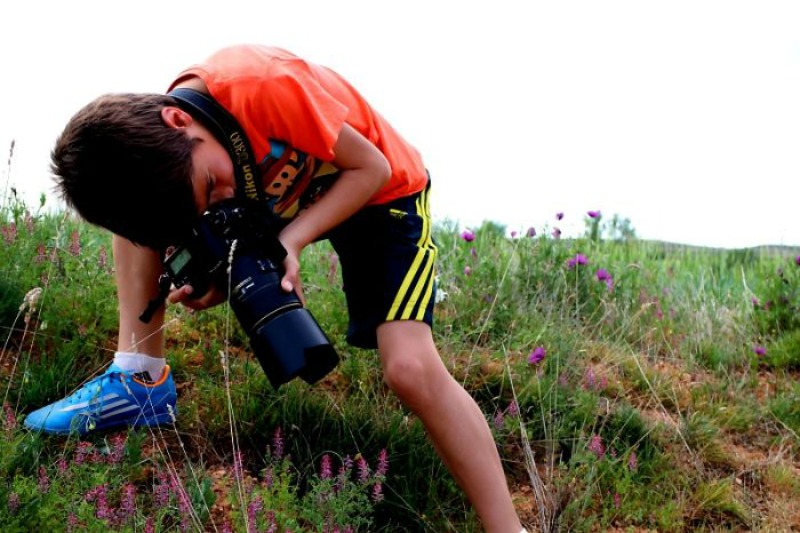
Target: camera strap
[230,134]
[228,131]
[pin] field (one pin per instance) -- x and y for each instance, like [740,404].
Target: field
[630,386]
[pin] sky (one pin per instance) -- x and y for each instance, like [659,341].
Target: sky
[681,116]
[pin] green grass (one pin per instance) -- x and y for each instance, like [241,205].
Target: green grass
[651,408]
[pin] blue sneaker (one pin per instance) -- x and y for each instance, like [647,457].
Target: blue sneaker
[111,400]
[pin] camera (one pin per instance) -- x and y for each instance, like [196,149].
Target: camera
[234,247]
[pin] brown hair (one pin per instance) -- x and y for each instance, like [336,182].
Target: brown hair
[121,167]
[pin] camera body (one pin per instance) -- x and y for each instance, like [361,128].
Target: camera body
[235,248]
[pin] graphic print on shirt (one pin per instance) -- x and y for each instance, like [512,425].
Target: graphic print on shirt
[294,180]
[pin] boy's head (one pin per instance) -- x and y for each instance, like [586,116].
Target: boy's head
[122,167]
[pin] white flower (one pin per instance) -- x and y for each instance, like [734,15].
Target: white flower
[31,298]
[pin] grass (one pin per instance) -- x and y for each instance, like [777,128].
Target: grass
[651,408]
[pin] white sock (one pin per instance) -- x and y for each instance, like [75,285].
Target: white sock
[139,362]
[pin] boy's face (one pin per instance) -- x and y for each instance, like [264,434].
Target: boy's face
[212,169]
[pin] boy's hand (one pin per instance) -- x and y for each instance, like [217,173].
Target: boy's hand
[184,295]
[291,268]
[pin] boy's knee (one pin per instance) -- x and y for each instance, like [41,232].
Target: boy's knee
[412,380]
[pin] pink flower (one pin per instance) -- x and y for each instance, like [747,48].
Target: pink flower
[44,481]
[468,235]
[536,356]
[531,232]
[377,492]
[579,259]
[467,270]
[603,275]
[277,444]
[633,462]
[499,419]
[363,469]
[594,214]
[760,350]
[596,446]
[556,233]
[75,243]
[11,418]
[325,469]
[559,215]
[383,463]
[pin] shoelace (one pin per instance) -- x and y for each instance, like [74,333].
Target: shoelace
[91,387]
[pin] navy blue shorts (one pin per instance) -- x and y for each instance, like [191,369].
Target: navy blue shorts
[387,254]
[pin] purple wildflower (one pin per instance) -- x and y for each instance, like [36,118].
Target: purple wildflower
[75,243]
[149,526]
[325,469]
[536,356]
[760,350]
[363,469]
[617,500]
[531,232]
[13,502]
[468,235]
[797,260]
[473,252]
[590,380]
[559,215]
[9,233]
[11,418]
[755,301]
[98,496]
[269,480]
[556,233]
[44,481]
[377,492]
[73,522]
[277,444]
[596,446]
[62,466]
[499,420]
[633,462]
[513,409]
[513,234]
[117,448]
[594,214]
[603,275]
[579,259]
[102,258]
[383,463]
[82,451]
[467,271]
[162,491]
[253,508]
[28,221]
[41,254]
[127,502]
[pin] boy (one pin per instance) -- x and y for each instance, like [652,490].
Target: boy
[144,168]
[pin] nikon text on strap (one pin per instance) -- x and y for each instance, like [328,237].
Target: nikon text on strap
[227,130]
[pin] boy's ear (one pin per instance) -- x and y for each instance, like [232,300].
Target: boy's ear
[175,117]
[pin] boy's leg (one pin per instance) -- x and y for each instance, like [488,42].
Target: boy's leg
[414,371]
[136,270]
[135,390]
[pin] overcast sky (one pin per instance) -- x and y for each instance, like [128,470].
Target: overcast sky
[683,116]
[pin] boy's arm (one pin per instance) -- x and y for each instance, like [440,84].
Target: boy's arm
[364,170]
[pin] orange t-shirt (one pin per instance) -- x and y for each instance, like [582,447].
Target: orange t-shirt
[292,112]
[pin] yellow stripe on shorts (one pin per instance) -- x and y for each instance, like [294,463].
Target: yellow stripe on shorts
[421,270]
